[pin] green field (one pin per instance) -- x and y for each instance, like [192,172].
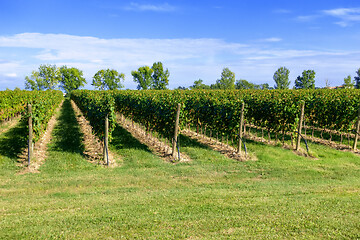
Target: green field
[279,196]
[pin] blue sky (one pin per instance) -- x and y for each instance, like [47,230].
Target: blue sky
[193,39]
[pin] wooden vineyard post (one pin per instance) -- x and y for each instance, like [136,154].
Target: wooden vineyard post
[106,140]
[300,126]
[241,127]
[357,131]
[174,141]
[30,147]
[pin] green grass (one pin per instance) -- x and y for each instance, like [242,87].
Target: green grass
[280,196]
[11,144]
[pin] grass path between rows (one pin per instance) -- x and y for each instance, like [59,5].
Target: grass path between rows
[280,196]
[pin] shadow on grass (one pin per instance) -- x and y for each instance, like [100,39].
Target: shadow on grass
[185,141]
[122,139]
[13,141]
[67,134]
[250,141]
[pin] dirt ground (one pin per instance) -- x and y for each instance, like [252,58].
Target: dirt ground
[218,146]
[40,152]
[6,125]
[158,147]
[93,146]
[308,137]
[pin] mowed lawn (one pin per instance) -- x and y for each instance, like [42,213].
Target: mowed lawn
[279,196]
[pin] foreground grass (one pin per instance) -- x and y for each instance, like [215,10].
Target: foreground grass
[281,195]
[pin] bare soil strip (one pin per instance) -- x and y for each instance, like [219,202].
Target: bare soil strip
[310,128]
[156,146]
[5,126]
[302,152]
[40,151]
[308,138]
[93,146]
[218,146]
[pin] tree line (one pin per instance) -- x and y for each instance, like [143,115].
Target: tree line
[280,77]
[155,77]
[68,79]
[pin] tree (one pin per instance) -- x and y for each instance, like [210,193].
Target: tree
[160,77]
[348,83]
[281,78]
[198,84]
[227,80]
[143,76]
[181,88]
[265,86]
[34,82]
[50,75]
[244,84]
[108,79]
[327,83]
[47,77]
[357,79]
[71,79]
[306,81]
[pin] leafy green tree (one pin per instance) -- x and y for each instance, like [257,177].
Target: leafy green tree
[357,79]
[50,74]
[265,86]
[108,79]
[160,77]
[71,79]
[181,88]
[227,80]
[281,78]
[244,84]
[348,83]
[143,76]
[47,77]
[34,82]
[327,83]
[306,81]
[198,84]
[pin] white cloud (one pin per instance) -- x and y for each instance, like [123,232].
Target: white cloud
[309,18]
[187,59]
[60,47]
[91,54]
[347,16]
[165,7]
[341,12]
[11,75]
[273,39]
[7,67]
[342,23]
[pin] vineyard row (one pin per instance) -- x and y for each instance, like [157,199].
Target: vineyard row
[219,111]
[276,111]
